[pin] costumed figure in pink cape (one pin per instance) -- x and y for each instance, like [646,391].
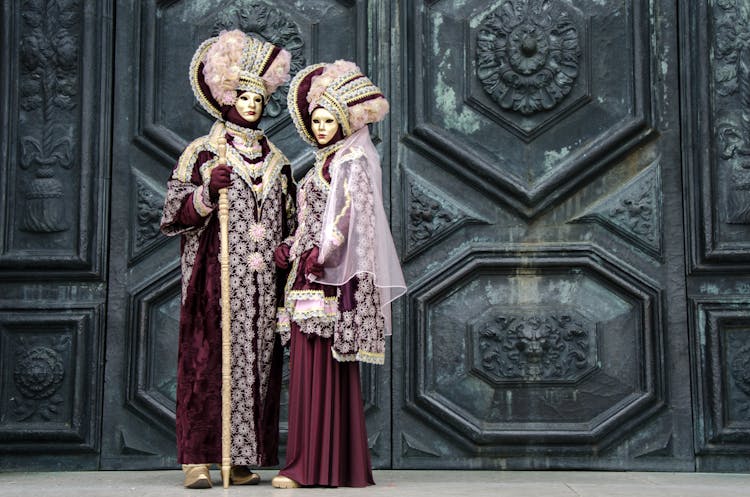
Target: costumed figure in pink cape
[232,76]
[344,274]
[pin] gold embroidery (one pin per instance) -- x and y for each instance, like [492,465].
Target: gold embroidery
[335,232]
[200,206]
[292,103]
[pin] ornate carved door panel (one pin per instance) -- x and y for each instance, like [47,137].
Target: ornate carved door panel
[539,210]
[716,124]
[156,117]
[546,164]
[55,108]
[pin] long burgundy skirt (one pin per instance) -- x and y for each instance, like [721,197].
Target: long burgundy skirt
[327,444]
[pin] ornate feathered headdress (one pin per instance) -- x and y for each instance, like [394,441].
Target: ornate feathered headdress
[235,61]
[342,89]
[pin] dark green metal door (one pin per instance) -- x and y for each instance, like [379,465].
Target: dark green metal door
[567,182]
[539,206]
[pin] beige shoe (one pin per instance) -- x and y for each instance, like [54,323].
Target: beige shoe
[196,476]
[241,475]
[280,481]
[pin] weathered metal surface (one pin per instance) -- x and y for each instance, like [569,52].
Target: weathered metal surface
[545,322]
[55,108]
[568,187]
[716,117]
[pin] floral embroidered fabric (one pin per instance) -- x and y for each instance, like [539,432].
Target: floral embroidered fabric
[350,313]
[259,219]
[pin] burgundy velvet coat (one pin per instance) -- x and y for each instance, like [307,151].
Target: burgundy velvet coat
[262,214]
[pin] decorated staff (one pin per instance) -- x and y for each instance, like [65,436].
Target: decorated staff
[231,198]
[226,327]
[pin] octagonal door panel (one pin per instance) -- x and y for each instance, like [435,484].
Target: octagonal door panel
[156,117]
[538,207]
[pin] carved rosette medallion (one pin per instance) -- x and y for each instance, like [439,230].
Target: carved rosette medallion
[38,375]
[268,24]
[731,56]
[527,55]
[534,347]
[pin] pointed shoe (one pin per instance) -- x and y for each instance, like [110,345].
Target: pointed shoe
[280,481]
[241,475]
[197,477]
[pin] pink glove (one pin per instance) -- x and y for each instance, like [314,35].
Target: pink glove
[221,177]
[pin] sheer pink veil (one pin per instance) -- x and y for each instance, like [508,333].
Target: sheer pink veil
[356,237]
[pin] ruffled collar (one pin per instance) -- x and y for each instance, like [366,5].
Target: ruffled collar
[245,140]
[246,135]
[323,153]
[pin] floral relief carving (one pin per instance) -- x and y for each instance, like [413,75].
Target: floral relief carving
[527,55]
[268,24]
[731,54]
[427,215]
[633,211]
[48,89]
[637,213]
[38,374]
[556,346]
[432,215]
[150,205]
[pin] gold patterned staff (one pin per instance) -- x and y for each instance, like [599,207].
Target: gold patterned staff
[226,323]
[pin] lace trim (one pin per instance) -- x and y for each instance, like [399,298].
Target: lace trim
[313,306]
[305,294]
[361,356]
[294,109]
[269,168]
[320,314]
[274,162]
[245,170]
[188,158]
[322,154]
[322,327]
[195,63]
[333,230]
[245,140]
[248,135]
[283,322]
[201,201]
[320,160]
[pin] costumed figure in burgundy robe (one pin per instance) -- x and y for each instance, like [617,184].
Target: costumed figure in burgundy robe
[344,273]
[232,76]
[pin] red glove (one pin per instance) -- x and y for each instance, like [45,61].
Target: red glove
[281,256]
[312,266]
[221,177]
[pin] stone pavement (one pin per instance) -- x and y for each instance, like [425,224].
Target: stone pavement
[391,483]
